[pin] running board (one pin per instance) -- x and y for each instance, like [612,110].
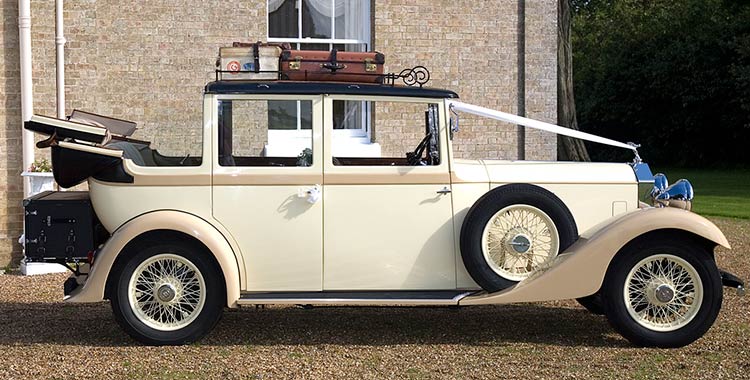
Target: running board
[409,298]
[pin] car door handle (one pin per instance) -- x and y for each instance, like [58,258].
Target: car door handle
[444,190]
[312,194]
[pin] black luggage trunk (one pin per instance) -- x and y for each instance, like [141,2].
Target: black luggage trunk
[61,226]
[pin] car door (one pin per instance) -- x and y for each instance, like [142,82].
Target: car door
[388,225]
[269,199]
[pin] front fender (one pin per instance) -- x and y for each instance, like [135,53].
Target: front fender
[94,287]
[580,270]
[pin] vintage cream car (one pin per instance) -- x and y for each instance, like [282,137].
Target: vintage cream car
[320,219]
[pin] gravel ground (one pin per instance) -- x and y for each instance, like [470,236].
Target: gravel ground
[41,337]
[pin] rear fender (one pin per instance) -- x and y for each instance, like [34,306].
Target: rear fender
[94,287]
[580,270]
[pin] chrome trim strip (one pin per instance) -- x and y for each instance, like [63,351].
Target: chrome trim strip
[246,300]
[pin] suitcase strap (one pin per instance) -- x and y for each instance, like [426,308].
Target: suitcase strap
[256,56]
[333,64]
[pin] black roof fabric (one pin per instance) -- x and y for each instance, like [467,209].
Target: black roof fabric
[316,88]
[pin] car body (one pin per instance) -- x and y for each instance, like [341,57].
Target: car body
[324,226]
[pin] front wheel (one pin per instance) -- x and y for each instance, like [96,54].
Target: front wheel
[662,293]
[167,294]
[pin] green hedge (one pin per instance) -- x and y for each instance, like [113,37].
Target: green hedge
[672,75]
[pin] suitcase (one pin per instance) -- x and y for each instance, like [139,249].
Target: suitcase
[336,66]
[61,226]
[244,61]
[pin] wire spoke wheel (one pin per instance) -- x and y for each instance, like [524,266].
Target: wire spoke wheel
[167,292]
[663,292]
[518,240]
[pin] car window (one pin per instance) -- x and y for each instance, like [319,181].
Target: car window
[245,126]
[402,134]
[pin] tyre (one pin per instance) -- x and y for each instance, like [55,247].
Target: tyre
[512,231]
[593,303]
[662,293]
[167,293]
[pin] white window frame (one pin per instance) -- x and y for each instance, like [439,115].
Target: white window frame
[359,135]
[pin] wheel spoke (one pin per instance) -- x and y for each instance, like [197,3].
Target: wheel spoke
[167,273]
[500,241]
[669,273]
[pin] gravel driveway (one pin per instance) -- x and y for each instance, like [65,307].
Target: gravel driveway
[41,337]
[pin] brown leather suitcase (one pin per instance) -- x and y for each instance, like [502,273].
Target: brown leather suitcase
[334,66]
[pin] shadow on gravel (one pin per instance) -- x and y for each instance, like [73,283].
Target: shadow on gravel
[94,325]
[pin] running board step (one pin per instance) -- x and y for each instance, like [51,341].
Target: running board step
[450,297]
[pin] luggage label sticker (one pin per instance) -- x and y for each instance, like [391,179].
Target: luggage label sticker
[233,67]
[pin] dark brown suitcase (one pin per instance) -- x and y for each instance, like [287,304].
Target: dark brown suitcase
[335,66]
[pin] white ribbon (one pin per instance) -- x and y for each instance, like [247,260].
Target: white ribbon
[536,124]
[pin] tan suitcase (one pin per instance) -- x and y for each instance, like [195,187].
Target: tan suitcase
[256,62]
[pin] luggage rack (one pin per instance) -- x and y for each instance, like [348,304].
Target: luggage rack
[415,76]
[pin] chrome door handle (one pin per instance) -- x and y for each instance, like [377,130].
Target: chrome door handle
[312,194]
[444,190]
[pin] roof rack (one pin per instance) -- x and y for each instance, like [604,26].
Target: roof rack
[415,76]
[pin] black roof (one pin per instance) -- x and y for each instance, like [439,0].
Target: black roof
[316,88]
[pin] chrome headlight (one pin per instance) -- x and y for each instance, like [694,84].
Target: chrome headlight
[680,194]
[654,189]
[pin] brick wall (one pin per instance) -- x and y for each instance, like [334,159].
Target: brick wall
[471,48]
[148,62]
[11,187]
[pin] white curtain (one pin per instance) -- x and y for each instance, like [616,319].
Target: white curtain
[355,14]
[356,20]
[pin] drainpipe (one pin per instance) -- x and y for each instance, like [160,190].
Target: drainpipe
[521,130]
[27,100]
[60,50]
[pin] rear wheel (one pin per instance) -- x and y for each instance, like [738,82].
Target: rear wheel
[664,293]
[168,294]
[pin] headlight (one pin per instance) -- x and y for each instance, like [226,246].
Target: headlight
[654,189]
[680,194]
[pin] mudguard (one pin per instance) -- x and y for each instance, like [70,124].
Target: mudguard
[580,270]
[94,287]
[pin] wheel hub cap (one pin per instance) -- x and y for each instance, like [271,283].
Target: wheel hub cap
[166,293]
[664,293]
[520,243]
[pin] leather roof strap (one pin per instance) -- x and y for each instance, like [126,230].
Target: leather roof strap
[48,142]
[256,56]
[333,65]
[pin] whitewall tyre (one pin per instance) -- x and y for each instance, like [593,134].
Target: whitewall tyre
[665,292]
[513,231]
[167,293]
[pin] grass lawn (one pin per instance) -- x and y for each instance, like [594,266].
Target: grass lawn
[717,192]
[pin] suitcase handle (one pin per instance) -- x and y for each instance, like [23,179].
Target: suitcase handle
[333,65]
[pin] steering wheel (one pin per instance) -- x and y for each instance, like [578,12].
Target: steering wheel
[415,157]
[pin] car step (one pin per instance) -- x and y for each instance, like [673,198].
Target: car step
[450,297]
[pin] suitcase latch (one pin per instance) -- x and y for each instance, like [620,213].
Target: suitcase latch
[295,65]
[370,66]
